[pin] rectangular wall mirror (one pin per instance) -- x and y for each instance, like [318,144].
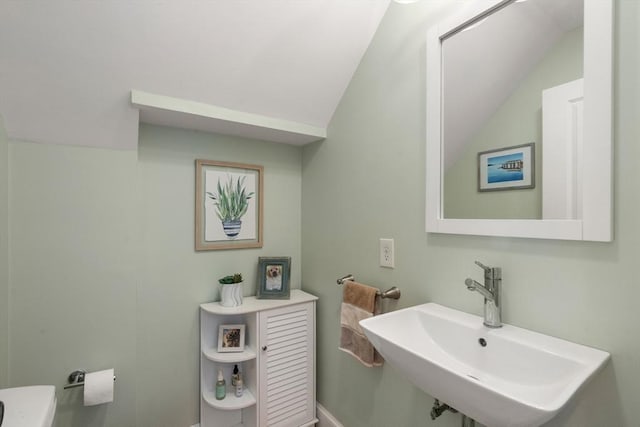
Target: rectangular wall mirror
[519,136]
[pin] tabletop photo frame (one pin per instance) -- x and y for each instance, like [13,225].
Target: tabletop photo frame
[274,275]
[231,338]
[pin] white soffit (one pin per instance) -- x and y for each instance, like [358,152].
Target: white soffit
[181,113]
[67,67]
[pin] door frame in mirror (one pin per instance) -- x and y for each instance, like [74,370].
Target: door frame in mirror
[597,200]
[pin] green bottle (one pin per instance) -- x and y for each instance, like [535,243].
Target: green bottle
[221,387]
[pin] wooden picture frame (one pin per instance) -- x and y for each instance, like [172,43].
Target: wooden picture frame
[228,205]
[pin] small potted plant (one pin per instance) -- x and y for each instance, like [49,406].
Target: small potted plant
[231,290]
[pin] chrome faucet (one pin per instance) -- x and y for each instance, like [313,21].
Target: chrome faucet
[491,293]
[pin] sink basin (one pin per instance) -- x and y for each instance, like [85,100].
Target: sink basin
[505,377]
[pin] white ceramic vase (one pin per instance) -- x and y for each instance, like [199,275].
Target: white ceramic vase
[231,294]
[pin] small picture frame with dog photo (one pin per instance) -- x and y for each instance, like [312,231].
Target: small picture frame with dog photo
[230,338]
[273,277]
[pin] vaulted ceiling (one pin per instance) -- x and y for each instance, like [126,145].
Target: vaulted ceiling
[67,67]
[484,63]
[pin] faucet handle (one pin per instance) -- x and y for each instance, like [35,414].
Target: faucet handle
[482,266]
[490,272]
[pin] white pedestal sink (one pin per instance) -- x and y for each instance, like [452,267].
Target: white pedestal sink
[505,377]
[31,406]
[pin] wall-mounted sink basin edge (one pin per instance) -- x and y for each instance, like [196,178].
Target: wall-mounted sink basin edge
[504,377]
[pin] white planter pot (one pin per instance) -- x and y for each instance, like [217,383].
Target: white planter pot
[231,295]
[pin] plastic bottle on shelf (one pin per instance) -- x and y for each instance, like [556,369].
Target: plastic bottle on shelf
[221,386]
[235,376]
[239,387]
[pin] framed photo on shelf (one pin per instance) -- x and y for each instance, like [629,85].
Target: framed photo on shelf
[229,202]
[273,277]
[230,338]
[509,168]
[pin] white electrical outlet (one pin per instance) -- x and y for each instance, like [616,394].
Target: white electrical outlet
[387,256]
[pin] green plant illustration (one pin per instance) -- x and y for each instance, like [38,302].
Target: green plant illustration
[232,200]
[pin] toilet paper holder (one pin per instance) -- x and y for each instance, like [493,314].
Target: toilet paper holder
[76,379]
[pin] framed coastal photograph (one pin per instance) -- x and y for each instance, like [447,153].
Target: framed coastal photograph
[273,277]
[509,168]
[230,338]
[229,200]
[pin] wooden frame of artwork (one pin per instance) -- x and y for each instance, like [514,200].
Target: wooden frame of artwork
[228,205]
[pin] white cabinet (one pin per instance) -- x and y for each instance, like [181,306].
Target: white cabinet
[277,364]
[286,366]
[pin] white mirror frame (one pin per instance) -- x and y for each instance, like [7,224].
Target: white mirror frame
[597,199]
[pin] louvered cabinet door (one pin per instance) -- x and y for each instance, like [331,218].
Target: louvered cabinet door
[287,371]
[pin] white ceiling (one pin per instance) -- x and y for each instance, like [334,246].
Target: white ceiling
[67,66]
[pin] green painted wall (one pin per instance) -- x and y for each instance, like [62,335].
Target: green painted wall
[4,257]
[174,279]
[518,121]
[74,265]
[366,181]
[104,273]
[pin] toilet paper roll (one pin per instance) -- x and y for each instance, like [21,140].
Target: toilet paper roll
[98,387]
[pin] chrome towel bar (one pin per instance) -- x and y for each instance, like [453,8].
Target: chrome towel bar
[392,293]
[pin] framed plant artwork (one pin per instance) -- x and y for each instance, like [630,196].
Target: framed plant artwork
[273,277]
[509,168]
[230,338]
[229,201]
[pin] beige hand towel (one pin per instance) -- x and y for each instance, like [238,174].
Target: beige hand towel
[358,302]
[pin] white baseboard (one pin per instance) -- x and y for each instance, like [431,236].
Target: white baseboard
[325,418]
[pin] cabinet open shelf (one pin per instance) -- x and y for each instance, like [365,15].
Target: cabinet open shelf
[236,357]
[230,402]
